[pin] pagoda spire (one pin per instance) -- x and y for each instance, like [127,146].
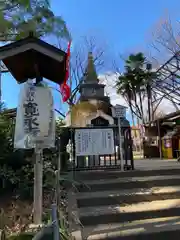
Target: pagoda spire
[90,73]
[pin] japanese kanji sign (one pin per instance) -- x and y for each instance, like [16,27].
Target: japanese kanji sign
[35,121]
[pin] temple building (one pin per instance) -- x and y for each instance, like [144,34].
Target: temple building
[94,109]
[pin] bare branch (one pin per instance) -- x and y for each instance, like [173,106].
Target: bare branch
[166,37]
[79,59]
[56,110]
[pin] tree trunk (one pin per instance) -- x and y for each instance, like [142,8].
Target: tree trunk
[141,106]
[132,115]
[149,100]
[135,135]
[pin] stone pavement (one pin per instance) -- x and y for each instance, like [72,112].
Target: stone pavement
[149,164]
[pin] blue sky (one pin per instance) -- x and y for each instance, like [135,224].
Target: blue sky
[125,25]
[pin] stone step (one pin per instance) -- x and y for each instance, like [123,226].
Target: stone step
[128,179]
[136,184]
[107,174]
[127,192]
[127,197]
[92,216]
[142,229]
[129,205]
[165,235]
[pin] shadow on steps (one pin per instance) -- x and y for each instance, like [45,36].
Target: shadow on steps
[106,174]
[165,235]
[127,185]
[127,217]
[126,199]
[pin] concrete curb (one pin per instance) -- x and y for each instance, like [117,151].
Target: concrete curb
[73,215]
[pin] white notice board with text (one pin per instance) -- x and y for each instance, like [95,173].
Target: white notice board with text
[94,142]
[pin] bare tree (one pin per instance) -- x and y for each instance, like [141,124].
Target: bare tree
[159,114]
[166,37]
[165,45]
[79,62]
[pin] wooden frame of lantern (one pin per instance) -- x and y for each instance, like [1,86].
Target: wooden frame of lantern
[32,58]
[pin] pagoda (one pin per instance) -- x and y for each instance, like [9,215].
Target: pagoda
[93,107]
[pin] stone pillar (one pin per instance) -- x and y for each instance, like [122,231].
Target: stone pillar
[96,160]
[93,161]
[80,161]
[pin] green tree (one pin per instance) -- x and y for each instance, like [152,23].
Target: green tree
[19,17]
[63,135]
[135,84]
[16,166]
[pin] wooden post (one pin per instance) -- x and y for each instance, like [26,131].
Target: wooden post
[55,222]
[0,83]
[159,136]
[58,175]
[38,182]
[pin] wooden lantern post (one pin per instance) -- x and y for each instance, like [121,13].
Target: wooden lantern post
[32,58]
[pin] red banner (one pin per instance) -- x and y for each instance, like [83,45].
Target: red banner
[65,88]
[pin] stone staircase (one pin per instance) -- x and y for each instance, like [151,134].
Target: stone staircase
[129,205]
